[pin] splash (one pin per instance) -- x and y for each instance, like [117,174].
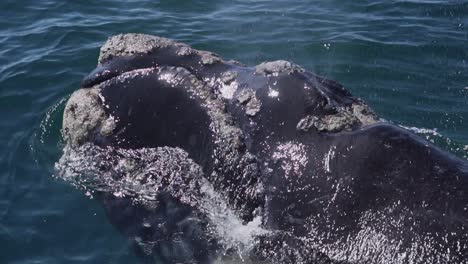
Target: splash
[423,131]
[45,143]
[142,175]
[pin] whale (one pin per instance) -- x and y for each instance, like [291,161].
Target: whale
[176,140]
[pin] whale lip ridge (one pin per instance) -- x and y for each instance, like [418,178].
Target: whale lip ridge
[117,62]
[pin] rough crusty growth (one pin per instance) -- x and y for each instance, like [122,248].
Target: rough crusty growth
[228,77]
[185,50]
[346,119]
[250,101]
[83,117]
[329,123]
[275,67]
[208,58]
[131,44]
[364,113]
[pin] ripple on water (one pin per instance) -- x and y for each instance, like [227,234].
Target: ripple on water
[408,59]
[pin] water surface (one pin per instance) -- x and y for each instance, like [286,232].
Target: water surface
[407,59]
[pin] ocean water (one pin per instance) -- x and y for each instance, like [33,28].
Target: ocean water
[407,59]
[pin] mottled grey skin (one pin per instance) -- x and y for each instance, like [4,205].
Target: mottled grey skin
[276,140]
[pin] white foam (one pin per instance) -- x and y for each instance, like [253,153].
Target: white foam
[227,225]
[418,130]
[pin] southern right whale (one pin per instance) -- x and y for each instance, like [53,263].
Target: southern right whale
[158,121]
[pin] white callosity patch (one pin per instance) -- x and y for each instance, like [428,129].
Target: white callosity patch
[185,50]
[363,113]
[83,116]
[228,84]
[345,118]
[130,44]
[276,67]
[127,44]
[228,90]
[342,121]
[292,156]
[108,126]
[208,58]
[252,104]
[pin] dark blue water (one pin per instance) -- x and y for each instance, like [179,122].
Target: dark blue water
[407,59]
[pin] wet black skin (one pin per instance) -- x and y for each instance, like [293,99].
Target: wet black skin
[375,167]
